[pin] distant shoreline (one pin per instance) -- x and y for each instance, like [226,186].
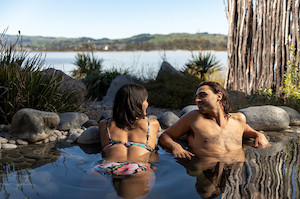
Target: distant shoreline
[122,50]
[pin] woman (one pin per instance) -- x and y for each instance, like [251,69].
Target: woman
[128,138]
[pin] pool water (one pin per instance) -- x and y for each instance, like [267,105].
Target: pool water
[63,170]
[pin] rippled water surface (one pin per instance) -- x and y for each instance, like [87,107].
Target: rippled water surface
[64,171]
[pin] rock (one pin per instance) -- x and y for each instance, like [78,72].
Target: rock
[3,140]
[266,117]
[269,151]
[90,136]
[71,120]
[294,115]
[74,136]
[57,132]
[90,123]
[188,108]
[65,133]
[4,128]
[80,131]
[8,146]
[62,137]
[21,142]
[46,140]
[166,69]
[106,115]
[33,125]
[71,131]
[52,138]
[69,84]
[39,142]
[117,83]
[167,119]
[12,141]
[152,117]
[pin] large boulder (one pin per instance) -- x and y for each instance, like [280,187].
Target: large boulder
[266,117]
[166,69]
[33,125]
[115,85]
[69,84]
[71,120]
[187,109]
[90,136]
[294,115]
[167,119]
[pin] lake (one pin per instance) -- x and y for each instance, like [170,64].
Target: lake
[144,63]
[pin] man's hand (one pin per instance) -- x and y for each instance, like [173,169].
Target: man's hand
[179,152]
[261,141]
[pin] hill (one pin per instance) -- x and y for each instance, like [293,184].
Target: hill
[173,41]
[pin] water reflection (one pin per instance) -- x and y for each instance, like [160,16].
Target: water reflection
[28,157]
[212,172]
[62,171]
[134,186]
[16,165]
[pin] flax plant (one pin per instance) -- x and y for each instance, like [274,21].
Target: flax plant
[24,84]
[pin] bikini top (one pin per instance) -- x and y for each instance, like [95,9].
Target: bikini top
[128,144]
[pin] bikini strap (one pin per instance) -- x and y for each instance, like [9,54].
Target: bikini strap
[107,130]
[148,132]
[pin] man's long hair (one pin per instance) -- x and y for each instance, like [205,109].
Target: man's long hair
[128,105]
[216,87]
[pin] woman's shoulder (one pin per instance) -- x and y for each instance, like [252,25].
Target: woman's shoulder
[153,121]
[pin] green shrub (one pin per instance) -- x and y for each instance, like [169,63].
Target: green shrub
[87,64]
[23,84]
[202,65]
[172,91]
[97,84]
[291,84]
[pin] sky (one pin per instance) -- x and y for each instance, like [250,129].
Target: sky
[111,19]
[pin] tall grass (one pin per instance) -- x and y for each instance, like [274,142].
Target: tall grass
[24,84]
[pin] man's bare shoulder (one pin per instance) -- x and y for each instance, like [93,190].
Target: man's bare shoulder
[238,116]
[192,114]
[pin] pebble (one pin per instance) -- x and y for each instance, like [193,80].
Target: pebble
[12,141]
[3,140]
[73,136]
[65,133]
[21,142]
[57,132]
[46,140]
[73,131]
[62,137]
[39,142]
[8,146]
[80,131]
[52,138]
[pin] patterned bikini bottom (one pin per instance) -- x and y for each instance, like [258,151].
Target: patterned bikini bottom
[121,169]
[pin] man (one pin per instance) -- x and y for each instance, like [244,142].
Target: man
[211,130]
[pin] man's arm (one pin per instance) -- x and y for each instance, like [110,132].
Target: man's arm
[260,139]
[172,133]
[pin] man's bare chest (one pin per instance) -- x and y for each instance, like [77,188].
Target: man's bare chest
[213,134]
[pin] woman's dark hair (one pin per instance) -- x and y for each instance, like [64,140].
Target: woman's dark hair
[128,105]
[216,87]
